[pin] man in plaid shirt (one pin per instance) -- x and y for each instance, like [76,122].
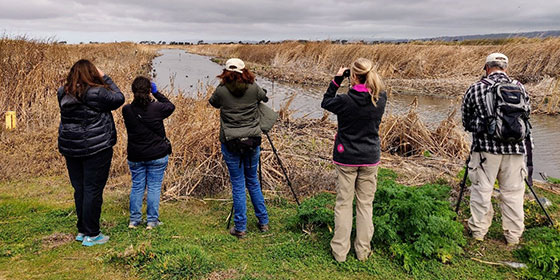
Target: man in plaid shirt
[492,159]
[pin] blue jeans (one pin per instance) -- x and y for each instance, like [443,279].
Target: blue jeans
[243,173]
[146,174]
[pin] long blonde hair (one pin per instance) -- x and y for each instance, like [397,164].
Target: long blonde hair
[364,71]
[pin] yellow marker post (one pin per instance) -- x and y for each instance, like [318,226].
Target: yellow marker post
[10,120]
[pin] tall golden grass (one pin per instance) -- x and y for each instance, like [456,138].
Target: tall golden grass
[435,68]
[33,71]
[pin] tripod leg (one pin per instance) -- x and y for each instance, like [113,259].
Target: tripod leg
[229,217]
[539,202]
[463,183]
[283,169]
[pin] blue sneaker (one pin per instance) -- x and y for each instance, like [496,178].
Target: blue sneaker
[80,237]
[134,224]
[152,225]
[95,240]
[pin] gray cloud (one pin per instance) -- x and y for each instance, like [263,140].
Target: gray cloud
[105,20]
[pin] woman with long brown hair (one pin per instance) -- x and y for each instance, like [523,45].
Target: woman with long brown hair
[86,137]
[356,153]
[238,97]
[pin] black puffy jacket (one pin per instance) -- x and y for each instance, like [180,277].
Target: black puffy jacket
[357,142]
[87,126]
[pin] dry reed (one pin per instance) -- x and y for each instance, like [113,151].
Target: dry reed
[34,70]
[436,69]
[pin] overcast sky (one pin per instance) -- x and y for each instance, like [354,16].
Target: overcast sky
[229,20]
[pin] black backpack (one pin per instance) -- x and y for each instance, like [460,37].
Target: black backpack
[508,111]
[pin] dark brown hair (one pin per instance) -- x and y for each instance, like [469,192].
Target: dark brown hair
[141,87]
[230,76]
[82,76]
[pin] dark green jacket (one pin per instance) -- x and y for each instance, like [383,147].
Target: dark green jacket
[238,104]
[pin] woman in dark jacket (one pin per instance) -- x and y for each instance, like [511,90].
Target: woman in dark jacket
[86,137]
[356,154]
[148,149]
[238,97]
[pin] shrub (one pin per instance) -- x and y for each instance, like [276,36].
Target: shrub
[416,222]
[413,224]
[316,212]
[541,253]
[534,216]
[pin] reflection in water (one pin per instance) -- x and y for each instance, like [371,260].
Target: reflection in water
[189,72]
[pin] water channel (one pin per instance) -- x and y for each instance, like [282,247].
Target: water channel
[183,72]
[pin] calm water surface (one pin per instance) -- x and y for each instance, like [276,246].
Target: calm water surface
[181,71]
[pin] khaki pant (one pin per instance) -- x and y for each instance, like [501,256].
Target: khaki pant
[363,182]
[510,171]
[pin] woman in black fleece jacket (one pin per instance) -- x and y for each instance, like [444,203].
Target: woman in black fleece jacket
[148,149]
[356,154]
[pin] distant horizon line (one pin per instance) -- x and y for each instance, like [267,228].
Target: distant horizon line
[528,34]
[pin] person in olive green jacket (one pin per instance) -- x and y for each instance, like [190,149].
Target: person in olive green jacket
[238,98]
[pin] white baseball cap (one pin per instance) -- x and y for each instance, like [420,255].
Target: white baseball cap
[497,57]
[235,65]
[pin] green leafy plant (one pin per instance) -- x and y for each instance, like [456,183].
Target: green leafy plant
[316,212]
[413,224]
[541,253]
[534,216]
[416,222]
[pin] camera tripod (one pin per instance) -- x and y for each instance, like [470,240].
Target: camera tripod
[288,181]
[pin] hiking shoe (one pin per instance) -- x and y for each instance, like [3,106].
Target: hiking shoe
[478,238]
[95,240]
[263,228]
[133,224]
[512,244]
[363,257]
[152,225]
[80,237]
[236,233]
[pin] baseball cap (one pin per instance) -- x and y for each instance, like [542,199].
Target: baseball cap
[235,65]
[497,57]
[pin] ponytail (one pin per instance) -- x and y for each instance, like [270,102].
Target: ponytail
[366,73]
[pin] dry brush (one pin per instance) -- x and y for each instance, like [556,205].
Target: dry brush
[34,71]
[434,68]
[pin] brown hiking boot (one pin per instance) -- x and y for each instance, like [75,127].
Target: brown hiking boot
[236,233]
[263,228]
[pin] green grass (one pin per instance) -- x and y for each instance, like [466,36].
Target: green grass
[553,180]
[193,243]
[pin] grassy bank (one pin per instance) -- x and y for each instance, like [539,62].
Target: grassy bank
[435,68]
[38,223]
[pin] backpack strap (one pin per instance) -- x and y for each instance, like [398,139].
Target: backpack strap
[151,129]
[487,81]
[490,97]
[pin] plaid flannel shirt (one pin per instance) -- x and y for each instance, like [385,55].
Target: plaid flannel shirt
[475,116]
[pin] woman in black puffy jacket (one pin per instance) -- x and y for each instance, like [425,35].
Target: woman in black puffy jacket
[86,137]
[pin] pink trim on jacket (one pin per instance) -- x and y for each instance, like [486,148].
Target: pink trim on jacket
[357,165]
[335,83]
[361,88]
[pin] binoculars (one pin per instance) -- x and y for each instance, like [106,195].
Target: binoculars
[346,73]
